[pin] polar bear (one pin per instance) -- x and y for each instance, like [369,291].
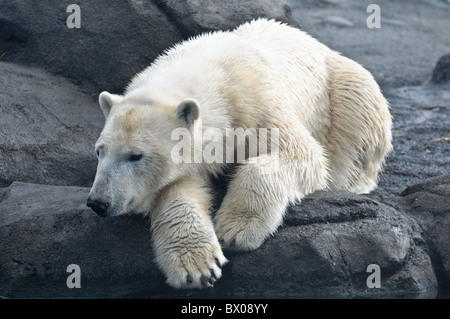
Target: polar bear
[333,124]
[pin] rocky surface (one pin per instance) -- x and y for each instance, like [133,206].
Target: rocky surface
[322,250]
[429,203]
[117,38]
[47,129]
[403,51]
[49,121]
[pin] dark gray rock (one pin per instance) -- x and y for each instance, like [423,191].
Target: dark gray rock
[46,228]
[326,245]
[441,72]
[429,203]
[117,38]
[47,129]
[323,249]
[196,16]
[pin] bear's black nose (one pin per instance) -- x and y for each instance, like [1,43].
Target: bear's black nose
[98,206]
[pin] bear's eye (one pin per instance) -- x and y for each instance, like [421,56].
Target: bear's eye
[135,157]
[98,153]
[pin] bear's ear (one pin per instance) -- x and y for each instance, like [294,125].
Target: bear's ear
[107,101]
[188,111]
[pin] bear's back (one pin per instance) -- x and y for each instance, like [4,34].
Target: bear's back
[297,65]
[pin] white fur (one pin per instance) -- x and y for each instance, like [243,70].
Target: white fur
[334,126]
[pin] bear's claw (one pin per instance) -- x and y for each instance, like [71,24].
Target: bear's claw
[191,272]
[205,280]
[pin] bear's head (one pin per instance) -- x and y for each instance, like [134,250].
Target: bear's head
[134,152]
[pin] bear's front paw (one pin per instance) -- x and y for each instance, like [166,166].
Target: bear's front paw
[193,266]
[240,232]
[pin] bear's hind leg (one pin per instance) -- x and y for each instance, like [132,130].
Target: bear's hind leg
[360,135]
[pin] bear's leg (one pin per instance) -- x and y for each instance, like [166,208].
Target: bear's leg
[360,135]
[185,244]
[261,189]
